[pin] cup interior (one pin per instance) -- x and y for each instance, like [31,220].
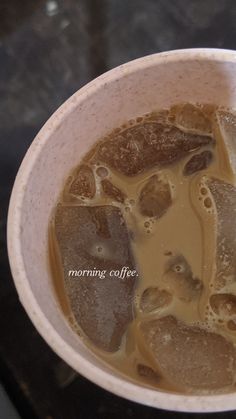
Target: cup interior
[131,90]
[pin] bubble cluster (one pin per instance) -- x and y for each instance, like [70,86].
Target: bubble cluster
[206,198]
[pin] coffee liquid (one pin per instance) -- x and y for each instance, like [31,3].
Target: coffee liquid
[142,249]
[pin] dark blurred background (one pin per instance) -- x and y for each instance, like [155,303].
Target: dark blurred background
[48,50]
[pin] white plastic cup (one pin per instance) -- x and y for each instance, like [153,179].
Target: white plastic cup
[133,89]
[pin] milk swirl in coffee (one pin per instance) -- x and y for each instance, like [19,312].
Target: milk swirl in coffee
[143,249]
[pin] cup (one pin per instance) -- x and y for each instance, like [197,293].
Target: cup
[138,87]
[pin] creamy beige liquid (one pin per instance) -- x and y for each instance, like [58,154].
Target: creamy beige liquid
[176,217]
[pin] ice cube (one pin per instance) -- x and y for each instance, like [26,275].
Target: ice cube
[188,356]
[95,239]
[198,162]
[178,279]
[191,118]
[227,126]
[112,191]
[143,146]
[84,183]
[224,196]
[154,298]
[155,197]
[223,304]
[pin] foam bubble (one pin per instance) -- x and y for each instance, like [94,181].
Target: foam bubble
[203,190]
[102,172]
[232,325]
[132,122]
[207,202]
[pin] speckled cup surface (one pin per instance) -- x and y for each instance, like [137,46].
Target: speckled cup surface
[130,90]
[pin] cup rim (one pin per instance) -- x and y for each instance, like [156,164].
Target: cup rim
[116,385]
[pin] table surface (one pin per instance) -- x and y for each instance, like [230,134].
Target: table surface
[48,50]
